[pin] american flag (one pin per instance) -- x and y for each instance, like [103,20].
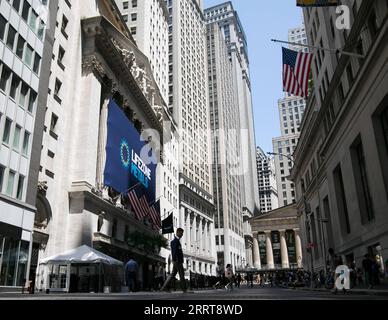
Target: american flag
[139,206]
[155,215]
[296,71]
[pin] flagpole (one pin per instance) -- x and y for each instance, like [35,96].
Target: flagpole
[127,191]
[338,51]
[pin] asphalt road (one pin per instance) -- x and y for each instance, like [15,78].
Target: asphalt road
[209,295]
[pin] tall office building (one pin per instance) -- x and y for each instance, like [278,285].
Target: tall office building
[267,182]
[188,101]
[291,111]
[25,55]
[233,33]
[225,124]
[148,22]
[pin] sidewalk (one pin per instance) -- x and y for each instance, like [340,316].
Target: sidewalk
[381,290]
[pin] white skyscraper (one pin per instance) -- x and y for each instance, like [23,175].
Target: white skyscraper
[267,182]
[188,100]
[148,22]
[236,42]
[291,111]
[225,124]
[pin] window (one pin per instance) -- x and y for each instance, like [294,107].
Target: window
[133,16]
[16,5]
[10,184]
[61,55]
[11,37]
[341,199]
[2,169]
[362,184]
[31,102]
[7,130]
[58,86]
[125,5]
[54,121]
[20,47]
[23,95]
[5,75]
[36,63]
[26,10]
[41,29]
[26,142]
[14,86]
[19,194]
[134,3]
[65,23]
[28,55]
[3,23]
[16,137]
[33,20]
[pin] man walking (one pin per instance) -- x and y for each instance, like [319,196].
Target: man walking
[177,260]
[131,269]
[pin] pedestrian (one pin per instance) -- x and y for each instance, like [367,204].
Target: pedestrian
[131,270]
[229,276]
[160,276]
[177,260]
[239,278]
[220,274]
[367,268]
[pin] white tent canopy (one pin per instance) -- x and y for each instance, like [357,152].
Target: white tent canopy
[83,254]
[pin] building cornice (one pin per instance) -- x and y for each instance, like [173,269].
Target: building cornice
[111,56]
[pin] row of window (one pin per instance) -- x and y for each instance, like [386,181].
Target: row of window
[17,89]
[19,45]
[7,183]
[30,16]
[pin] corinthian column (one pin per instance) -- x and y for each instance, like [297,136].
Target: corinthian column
[298,245]
[283,249]
[268,241]
[256,252]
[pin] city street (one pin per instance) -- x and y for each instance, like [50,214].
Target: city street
[209,295]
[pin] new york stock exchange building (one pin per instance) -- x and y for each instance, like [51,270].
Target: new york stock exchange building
[102,182]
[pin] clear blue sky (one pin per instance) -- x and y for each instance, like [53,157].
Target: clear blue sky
[262,21]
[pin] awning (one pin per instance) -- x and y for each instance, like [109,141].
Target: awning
[83,254]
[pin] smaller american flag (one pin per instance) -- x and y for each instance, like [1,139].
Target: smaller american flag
[296,72]
[155,215]
[139,206]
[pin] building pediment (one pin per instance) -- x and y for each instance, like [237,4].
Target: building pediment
[115,58]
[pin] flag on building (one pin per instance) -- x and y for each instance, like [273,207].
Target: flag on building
[155,215]
[168,225]
[139,203]
[296,72]
[316,3]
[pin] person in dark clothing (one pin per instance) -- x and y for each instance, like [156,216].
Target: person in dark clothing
[367,268]
[177,260]
[238,280]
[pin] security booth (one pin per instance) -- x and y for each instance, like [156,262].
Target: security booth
[81,270]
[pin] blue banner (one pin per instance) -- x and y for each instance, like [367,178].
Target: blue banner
[129,160]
